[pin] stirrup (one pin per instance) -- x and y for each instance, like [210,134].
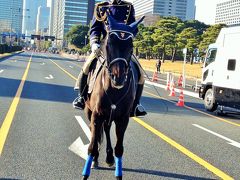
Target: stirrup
[139,110]
[79,103]
[76,88]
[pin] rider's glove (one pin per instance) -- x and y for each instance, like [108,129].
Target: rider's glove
[95,48]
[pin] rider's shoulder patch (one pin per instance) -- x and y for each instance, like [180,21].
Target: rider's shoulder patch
[104,3]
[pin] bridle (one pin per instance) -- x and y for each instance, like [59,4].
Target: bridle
[121,36]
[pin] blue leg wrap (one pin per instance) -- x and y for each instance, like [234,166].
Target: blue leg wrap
[87,166]
[118,169]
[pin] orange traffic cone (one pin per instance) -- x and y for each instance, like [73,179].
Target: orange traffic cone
[180,80]
[168,86]
[172,92]
[155,76]
[181,99]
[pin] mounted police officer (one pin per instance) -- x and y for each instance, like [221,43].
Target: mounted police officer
[123,12]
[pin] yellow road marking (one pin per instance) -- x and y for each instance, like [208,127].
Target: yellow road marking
[182,149]
[185,151]
[215,117]
[11,112]
[63,70]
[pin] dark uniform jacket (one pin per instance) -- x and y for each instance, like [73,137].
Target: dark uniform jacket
[122,12]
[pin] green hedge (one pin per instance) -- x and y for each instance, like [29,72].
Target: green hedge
[4,48]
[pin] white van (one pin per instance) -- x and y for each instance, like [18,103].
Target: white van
[221,71]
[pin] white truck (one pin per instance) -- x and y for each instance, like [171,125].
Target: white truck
[221,71]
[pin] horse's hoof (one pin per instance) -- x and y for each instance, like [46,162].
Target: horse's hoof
[110,161]
[110,164]
[119,177]
[84,177]
[94,165]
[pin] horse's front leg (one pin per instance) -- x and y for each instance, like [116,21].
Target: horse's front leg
[109,149]
[121,126]
[96,131]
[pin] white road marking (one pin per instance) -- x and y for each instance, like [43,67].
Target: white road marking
[49,77]
[71,67]
[231,142]
[77,146]
[1,70]
[84,126]
[43,63]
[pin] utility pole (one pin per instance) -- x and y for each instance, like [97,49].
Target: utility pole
[184,64]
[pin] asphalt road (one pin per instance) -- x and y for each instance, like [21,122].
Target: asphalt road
[39,127]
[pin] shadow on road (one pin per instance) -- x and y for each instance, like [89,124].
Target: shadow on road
[156,173]
[37,91]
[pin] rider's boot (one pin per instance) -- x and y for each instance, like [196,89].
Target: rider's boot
[138,109]
[79,102]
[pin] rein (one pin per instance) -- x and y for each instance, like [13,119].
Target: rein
[114,105]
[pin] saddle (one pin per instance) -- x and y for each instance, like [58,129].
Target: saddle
[95,69]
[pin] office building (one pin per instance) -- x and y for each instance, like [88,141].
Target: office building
[11,15]
[66,13]
[228,12]
[42,21]
[30,11]
[183,9]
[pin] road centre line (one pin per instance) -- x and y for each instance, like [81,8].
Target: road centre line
[182,149]
[12,110]
[1,71]
[231,142]
[193,109]
[62,69]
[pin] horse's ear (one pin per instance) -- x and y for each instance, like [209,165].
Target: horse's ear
[111,21]
[135,24]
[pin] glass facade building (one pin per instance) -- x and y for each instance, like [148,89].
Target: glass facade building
[184,9]
[11,15]
[30,11]
[42,21]
[66,13]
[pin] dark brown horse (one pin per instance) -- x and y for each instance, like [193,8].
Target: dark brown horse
[113,95]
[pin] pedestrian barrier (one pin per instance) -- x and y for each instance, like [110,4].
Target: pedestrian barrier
[172,92]
[197,85]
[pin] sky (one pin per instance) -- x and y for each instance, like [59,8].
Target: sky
[206,10]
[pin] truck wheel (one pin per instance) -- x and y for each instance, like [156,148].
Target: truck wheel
[209,101]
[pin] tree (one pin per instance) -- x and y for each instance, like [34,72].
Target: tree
[165,35]
[189,39]
[195,24]
[77,35]
[210,36]
[144,41]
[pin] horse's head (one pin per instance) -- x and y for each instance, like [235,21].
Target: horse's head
[118,50]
